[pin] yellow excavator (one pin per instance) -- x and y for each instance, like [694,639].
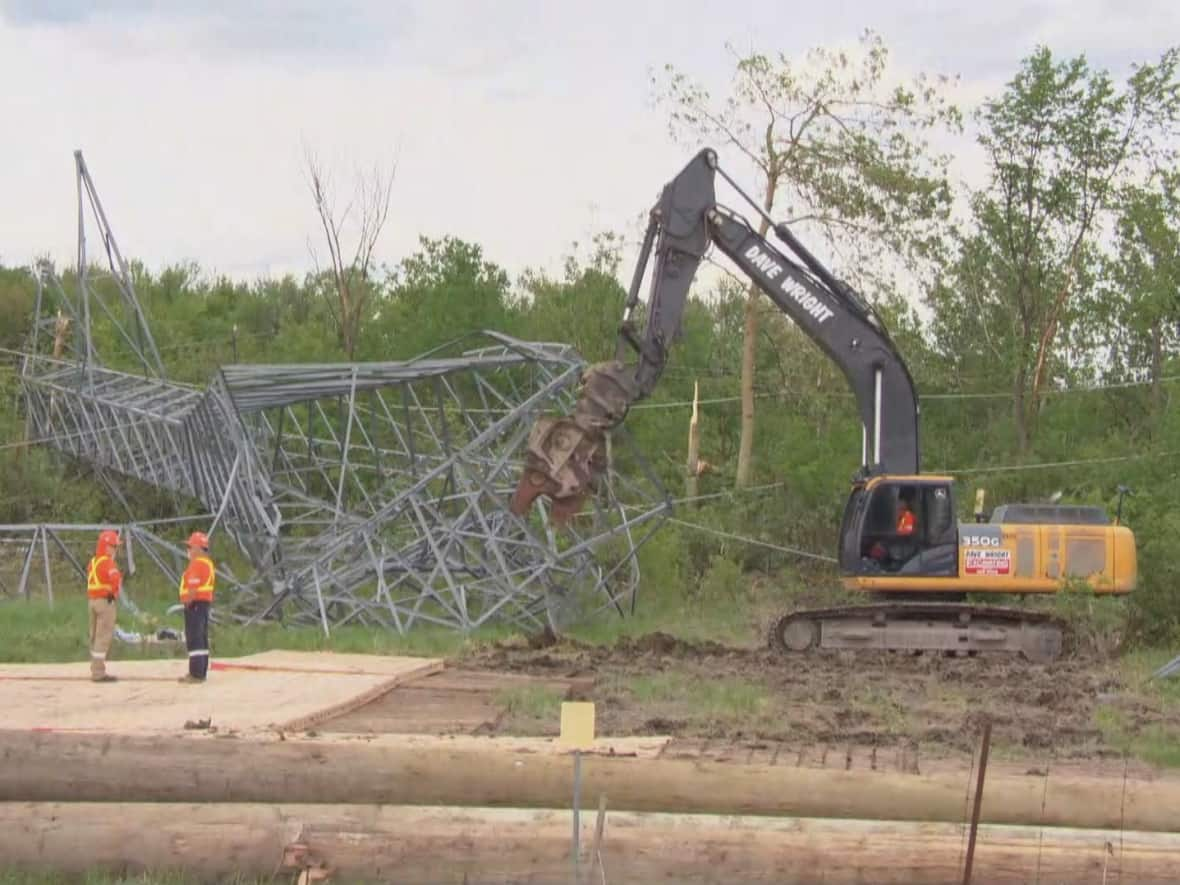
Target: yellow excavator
[900,539]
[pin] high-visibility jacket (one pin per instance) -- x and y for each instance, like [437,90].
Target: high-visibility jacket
[905,523]
[103,578]
[196,584]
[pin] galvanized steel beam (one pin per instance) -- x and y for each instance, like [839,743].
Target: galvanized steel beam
[371,493]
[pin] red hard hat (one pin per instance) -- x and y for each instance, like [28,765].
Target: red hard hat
[108,538]
[198,539]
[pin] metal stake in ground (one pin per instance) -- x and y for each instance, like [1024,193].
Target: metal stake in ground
[596,848]
[577,812]
[984,745]
[577,733]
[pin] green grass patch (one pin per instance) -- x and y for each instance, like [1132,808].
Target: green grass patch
[1136,668]
[692,616]
[884,709]
[531,701]
[727,624]
[1156,743]
[726,698]
[949,700]
[34,632]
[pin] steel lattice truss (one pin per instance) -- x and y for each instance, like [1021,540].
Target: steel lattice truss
[371,493]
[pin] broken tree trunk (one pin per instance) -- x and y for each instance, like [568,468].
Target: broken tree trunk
[458,844]
[692,465]
[48,766]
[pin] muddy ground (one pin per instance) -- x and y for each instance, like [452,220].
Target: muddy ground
[903,707]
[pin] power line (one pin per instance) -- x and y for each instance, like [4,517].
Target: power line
[1046,465]
[729,492]
[922,398]
[794,551]
[807,554]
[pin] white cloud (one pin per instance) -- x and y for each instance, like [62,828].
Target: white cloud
[519,125]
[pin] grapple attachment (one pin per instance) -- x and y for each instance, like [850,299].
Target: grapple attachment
[566,456]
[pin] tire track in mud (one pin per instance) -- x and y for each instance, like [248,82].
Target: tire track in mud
[848,701]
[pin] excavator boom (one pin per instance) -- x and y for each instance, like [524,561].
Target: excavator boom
[565,455]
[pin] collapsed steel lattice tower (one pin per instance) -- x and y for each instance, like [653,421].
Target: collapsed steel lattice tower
[371,493]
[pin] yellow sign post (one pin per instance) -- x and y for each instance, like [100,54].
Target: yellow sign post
[577,734]
[577,725]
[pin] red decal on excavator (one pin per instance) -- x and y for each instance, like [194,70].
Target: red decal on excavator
[987,562]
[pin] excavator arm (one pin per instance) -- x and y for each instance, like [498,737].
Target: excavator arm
[565,456]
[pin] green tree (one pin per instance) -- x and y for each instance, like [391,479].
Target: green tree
[1144,290]
[17,294]
[838,146]
[1061,140]
[583,307]
[443,291]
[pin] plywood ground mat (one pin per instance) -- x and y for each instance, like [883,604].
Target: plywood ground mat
[455,701]
[270,690]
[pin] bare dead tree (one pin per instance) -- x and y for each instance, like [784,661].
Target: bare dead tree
[351,267]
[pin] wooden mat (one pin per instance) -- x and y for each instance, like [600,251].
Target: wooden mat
[272,690]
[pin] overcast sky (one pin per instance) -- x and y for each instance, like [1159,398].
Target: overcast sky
[519,124]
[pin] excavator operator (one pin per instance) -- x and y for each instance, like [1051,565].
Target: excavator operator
[906,521]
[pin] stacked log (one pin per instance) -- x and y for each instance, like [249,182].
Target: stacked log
[65,767]
[422,844]
[453,811]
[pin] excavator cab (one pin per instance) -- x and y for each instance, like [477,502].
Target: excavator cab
[877,537]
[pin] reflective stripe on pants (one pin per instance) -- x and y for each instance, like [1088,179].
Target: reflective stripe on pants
[196,637]
[102,631]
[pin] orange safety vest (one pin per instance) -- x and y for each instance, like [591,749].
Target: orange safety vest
[905,523]
[96,587]
[204,591]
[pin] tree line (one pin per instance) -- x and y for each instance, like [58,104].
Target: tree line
[1038,307]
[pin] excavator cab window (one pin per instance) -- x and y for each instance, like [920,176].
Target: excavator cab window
[901,528]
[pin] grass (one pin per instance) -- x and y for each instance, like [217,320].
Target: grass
[33,632]
[1155,743]
[733,619]
[884,709]
[531,701]
[1136,668]
[691,620]
[725,699]
[953,701]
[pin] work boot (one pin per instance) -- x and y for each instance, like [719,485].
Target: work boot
[106,677]
[190,679]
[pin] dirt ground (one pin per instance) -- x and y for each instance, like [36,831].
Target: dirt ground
[845,709]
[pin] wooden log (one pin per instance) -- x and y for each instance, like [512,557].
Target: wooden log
[65,767]
[410,844]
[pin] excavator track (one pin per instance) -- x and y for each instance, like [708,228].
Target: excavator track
[916,626]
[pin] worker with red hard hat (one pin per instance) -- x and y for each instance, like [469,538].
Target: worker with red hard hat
[196,594]
[103,583]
